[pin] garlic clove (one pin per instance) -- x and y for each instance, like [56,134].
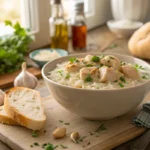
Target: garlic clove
[2,97]
[25,79]
[59,133]
[74,136]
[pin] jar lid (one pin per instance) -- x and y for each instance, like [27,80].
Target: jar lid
[55,2]
[78,6]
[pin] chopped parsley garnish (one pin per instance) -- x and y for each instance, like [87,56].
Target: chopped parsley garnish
[44,145]
[36,144]
[116,81]
[122,79]
[101,128]
[49,146]
[67,123]
[35,134]
[60,72]
[89,65]
[122,63]
[121,85]
[113,45]
[136,66]
[95,59]
[61,121]
[72,60]
[31,146]
[63,146]
[144,77]
[88,143]
[82,138]
[88,79]
[67,76]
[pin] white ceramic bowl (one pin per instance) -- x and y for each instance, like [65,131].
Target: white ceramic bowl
[97,104]
[122,31]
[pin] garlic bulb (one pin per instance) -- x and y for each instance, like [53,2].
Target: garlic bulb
[25,79]
[2,96]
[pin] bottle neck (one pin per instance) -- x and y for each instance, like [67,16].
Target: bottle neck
[57,10]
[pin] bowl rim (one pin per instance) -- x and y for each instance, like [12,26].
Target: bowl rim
[94,90]
[110,24]
[38,50]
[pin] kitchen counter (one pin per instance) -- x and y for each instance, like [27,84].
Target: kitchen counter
[100,39]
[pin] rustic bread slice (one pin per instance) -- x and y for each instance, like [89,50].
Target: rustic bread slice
[25,107]
[4,118]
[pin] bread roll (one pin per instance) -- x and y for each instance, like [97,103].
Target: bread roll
[139,43]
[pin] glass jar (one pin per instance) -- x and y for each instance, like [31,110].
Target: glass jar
[58,26]
[78,27]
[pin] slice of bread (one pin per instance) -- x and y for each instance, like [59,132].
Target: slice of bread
[25,107]
[4,118]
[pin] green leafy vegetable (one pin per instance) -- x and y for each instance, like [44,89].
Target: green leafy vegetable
[67,123]
[49,146]
[95,59]
[113,45]
[35,134]
[63,146]
[122,63]
[36,144]
[122,79]
[144,77]
[61,121]
[82,138]
[136,66]
[60,72]
[89,65]
[13,48]
[88,79]
[121,85]
[101,128]
[72,60]
[67,76]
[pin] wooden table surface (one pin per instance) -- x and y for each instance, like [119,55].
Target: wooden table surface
[101,37]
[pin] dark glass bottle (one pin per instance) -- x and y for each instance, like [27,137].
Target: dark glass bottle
[78,27]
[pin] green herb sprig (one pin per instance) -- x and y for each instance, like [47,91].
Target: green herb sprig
[13,48]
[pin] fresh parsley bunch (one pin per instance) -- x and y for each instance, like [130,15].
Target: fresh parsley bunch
[13,48]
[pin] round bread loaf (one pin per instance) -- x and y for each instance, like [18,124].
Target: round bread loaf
[139,43]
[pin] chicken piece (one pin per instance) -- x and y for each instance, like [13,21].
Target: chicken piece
[109,74]
[88,58]
[75,66]
[89,74]
[130,71]
[111,61]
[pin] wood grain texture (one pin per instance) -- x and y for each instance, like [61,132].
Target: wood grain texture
[7,80]
[119,130]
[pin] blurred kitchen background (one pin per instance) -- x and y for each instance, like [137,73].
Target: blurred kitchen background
[34,14]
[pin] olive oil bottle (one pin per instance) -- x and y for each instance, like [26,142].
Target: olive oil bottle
[58,26]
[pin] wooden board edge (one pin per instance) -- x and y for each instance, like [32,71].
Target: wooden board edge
[119,139]
[9,143]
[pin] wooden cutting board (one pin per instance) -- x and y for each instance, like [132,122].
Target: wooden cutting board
[118,131]
[7,80]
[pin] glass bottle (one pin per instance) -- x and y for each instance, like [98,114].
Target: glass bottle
[78,27]
[58,26]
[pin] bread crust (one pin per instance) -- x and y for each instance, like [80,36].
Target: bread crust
[7,120]
[139,43]
[19,117]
